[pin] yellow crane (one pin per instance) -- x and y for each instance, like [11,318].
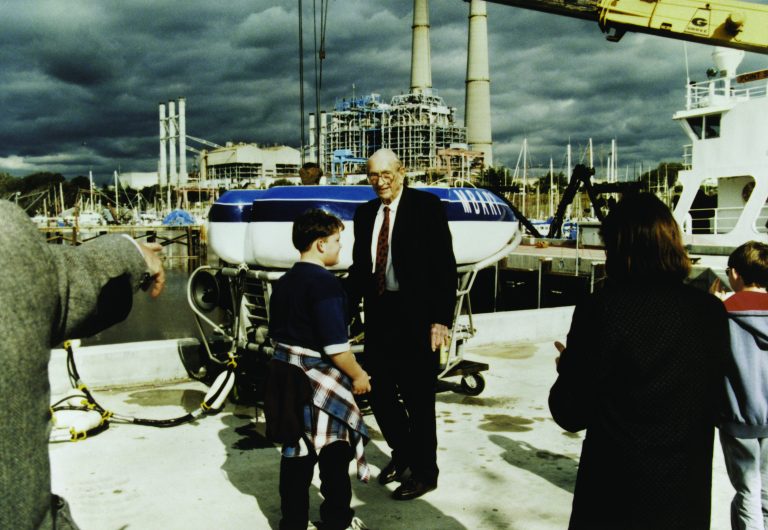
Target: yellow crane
[731,23]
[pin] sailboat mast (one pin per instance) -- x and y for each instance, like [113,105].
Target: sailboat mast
[551,180]
[525,173]
[90,187]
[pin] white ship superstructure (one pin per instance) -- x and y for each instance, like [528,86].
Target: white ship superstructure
[726,120]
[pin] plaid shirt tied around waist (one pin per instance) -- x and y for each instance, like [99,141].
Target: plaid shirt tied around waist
[334,414]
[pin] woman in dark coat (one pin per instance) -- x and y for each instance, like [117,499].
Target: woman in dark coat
[640,373]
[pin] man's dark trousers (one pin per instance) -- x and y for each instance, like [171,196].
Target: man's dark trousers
[401,363]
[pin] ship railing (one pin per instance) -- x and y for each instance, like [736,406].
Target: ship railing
[762,221]
[721,91]
[715,220]
[688,156]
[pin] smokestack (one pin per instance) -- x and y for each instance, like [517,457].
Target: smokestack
[421,67]
[477,105]
[173,176]
[182,140]
[162,167]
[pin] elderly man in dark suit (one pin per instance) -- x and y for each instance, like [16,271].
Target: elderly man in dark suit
[405,271]
[49,293]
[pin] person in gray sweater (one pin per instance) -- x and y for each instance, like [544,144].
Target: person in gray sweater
[49,293]
[744,417]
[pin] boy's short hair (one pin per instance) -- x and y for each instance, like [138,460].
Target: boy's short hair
[313,225]
[751,262]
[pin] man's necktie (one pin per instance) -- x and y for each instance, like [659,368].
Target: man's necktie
[382,250]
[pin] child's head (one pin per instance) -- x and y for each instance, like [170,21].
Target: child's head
[318,232]
[748,266]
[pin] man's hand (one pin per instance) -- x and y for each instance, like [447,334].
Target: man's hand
[438,334]
[151,253]
[361,384]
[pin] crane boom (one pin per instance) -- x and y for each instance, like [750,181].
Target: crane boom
[730,23]
[203,141]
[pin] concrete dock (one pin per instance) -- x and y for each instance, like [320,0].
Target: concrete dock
[504,463]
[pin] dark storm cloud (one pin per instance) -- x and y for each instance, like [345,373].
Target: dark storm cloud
[81,79]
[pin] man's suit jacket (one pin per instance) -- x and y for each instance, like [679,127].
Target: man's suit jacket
[422,258]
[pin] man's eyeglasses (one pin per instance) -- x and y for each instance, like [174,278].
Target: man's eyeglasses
[384,177]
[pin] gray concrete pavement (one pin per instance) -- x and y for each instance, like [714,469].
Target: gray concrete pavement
[504,463]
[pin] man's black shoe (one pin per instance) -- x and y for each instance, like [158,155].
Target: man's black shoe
[391,473]
[412,488]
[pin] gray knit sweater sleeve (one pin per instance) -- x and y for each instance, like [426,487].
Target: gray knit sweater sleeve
[95,284]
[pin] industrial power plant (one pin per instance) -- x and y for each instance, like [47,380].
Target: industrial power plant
[419,126]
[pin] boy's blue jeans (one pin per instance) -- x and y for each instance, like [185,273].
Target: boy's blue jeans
[746,460]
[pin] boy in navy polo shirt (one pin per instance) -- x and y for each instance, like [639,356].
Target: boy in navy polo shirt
[744,419]
[308,326]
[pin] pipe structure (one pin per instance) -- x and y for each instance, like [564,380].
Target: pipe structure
[421,66]
[323,132]
[312,137]
[162,167]
[477,103]
[172,136]
[182,140]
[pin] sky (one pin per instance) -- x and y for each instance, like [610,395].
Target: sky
[80,81]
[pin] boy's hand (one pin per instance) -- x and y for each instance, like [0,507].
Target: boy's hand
[361,384]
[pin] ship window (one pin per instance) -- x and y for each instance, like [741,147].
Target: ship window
[712,126]
[696,124]
[704,127]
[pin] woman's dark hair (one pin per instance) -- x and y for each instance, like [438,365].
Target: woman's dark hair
[312,225]
[643,241]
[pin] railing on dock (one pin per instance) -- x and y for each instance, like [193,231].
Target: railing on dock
[186,246]
[527,279]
